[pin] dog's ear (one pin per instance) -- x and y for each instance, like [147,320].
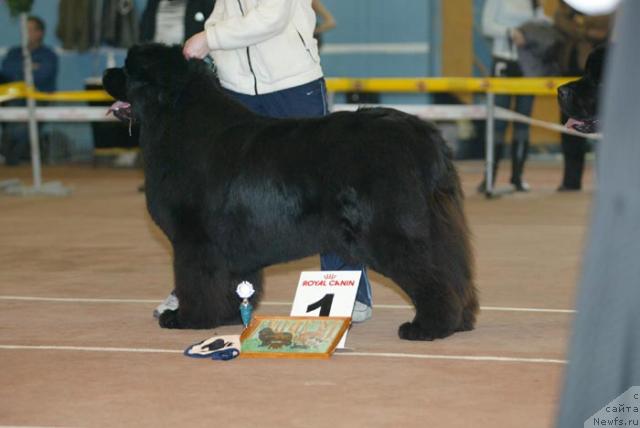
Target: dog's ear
[115,83]
[158,65]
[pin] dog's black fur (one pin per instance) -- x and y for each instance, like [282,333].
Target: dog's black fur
[579,99]
[235,192]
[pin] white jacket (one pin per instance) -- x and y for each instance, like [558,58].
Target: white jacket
[262,46]
[499,17]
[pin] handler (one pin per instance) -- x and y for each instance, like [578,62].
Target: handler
[268,60]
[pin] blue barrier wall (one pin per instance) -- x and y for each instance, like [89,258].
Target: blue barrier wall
[481,44]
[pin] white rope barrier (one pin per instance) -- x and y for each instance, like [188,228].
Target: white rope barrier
[427,112]
[506,114]
[57,114]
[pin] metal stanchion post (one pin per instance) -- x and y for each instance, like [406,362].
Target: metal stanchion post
[31,105]
[489,145]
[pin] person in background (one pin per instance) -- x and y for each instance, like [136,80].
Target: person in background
[582,33]
[500,22]
[267,59]
[15,138]
[173,21]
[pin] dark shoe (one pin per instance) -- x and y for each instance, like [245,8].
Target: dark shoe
[521,186]
[482,187]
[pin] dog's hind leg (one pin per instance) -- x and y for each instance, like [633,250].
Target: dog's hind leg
[444,300]
[433,265]
[439,309]
[439,277]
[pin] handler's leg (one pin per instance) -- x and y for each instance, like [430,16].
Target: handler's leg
[362,309]
[500,128]
[310,100]
[520,143]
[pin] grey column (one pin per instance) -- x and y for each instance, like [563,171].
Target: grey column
[605,347]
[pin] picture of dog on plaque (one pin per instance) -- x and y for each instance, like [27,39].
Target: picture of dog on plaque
[292,337]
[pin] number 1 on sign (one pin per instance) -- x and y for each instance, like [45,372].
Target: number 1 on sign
[324,304]
[332,293]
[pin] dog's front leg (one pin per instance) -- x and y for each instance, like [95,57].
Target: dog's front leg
[200,282]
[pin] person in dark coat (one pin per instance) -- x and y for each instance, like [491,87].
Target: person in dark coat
[582,33]
[15,137]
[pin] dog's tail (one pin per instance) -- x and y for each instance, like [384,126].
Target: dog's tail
[449,229]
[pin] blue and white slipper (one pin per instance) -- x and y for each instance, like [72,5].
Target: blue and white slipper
[216,348]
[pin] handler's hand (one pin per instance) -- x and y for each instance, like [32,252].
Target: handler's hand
[196,46]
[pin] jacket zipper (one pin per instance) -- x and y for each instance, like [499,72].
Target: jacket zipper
[255,79]
[304,44]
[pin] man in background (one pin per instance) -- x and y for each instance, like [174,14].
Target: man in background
[15,137]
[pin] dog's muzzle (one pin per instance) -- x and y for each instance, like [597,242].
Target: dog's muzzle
[121,110]
[586,126]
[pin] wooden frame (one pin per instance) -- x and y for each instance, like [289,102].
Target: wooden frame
[292,337]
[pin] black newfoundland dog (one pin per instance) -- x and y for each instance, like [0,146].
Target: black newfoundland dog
[579,99]
[235,192]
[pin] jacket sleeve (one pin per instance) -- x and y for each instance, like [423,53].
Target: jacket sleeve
[491,25]
[267,19]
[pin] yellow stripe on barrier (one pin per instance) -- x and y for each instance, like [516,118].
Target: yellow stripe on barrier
[517,85]
[92,95]
[18,90]
[511,85]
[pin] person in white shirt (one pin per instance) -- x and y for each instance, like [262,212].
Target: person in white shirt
[173,21]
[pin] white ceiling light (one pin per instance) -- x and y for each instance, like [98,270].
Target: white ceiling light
[593,7]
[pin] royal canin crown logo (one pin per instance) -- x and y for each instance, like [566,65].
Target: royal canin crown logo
[330,276]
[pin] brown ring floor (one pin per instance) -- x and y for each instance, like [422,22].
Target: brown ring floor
[79,363]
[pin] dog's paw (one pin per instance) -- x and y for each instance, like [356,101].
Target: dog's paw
[414,331]
[169,319]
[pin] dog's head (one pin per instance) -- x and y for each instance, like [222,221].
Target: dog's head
[579,99]
[151,73]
